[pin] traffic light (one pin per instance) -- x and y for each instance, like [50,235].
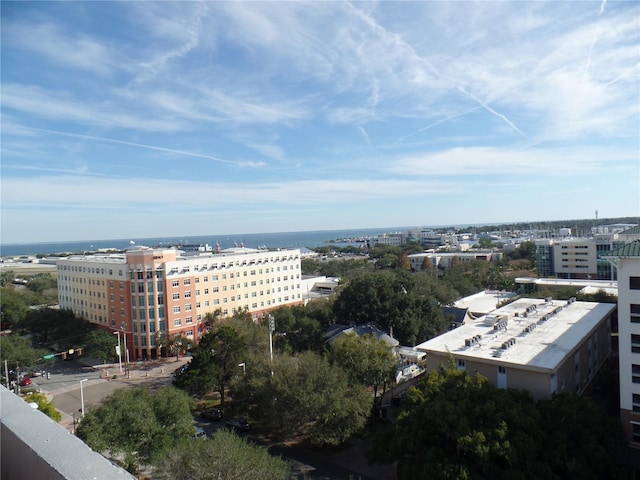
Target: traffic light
[64,355]
[78,351]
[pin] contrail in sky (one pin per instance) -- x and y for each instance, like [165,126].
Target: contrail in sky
[133,144]
[395,39]
[435,124]
[260,166]
[491,110]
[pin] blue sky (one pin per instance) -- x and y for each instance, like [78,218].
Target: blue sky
[145,119]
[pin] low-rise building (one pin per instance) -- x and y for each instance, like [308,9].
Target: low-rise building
[543,346]
[445,260]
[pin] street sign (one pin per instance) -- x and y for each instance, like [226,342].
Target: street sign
[48,357]
[71,351]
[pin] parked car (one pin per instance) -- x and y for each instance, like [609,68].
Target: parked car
[25,381]
[37,372]
[200,434]
[238,425]
[180,370]
[211,414]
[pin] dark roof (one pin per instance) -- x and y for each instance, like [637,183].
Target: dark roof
[458,314]
[631,249]
[631,231]
[335,330]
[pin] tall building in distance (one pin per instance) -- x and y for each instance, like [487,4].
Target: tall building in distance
[154,294]
[578,258]
[627,261]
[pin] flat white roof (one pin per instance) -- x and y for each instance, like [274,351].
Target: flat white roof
[483,302]
[552,338]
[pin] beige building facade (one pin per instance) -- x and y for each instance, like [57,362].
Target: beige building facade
[542,346]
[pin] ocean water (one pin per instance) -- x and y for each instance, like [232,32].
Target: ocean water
[311,239]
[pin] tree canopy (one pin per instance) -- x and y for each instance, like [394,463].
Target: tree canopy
[224,456]
[138,420]
[215,361]
[367,360]
[407,305]
[456,425]
[306,397]
[18,352]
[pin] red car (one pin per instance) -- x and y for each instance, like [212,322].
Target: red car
[25,381]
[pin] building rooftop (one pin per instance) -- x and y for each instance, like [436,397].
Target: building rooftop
[34,446]
[628,250]
[540,340]
[483,302]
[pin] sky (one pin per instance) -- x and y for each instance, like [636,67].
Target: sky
[154,118]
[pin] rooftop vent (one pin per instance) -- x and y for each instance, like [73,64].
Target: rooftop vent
[501,325]
[472,341]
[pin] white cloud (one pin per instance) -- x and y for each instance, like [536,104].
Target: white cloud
[61,47]
[493,161]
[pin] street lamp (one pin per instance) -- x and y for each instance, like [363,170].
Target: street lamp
[82,395]
[272,328]
[126,351]
[117,332]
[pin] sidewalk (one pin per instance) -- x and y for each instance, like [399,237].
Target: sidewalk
[139,373]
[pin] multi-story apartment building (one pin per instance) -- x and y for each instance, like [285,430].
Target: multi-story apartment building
[152,294]
[627,261]
[543,346]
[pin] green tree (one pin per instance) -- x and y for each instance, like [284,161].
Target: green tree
[18,352]
[13,305]
[224,456]
[138,420]
[296,331]
[44,405]
[395,301]
[215,361]
[61,326]
[485,242]
[175,344]
[455,425]
[367,360]
[44,284]
[6,278]
[101,345]
[380,297]
[579,440]
[306,397]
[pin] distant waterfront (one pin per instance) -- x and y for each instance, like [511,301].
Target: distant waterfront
[269,240]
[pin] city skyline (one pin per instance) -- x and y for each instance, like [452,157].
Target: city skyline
[149,119]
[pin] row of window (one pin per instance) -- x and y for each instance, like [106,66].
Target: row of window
[187,268]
